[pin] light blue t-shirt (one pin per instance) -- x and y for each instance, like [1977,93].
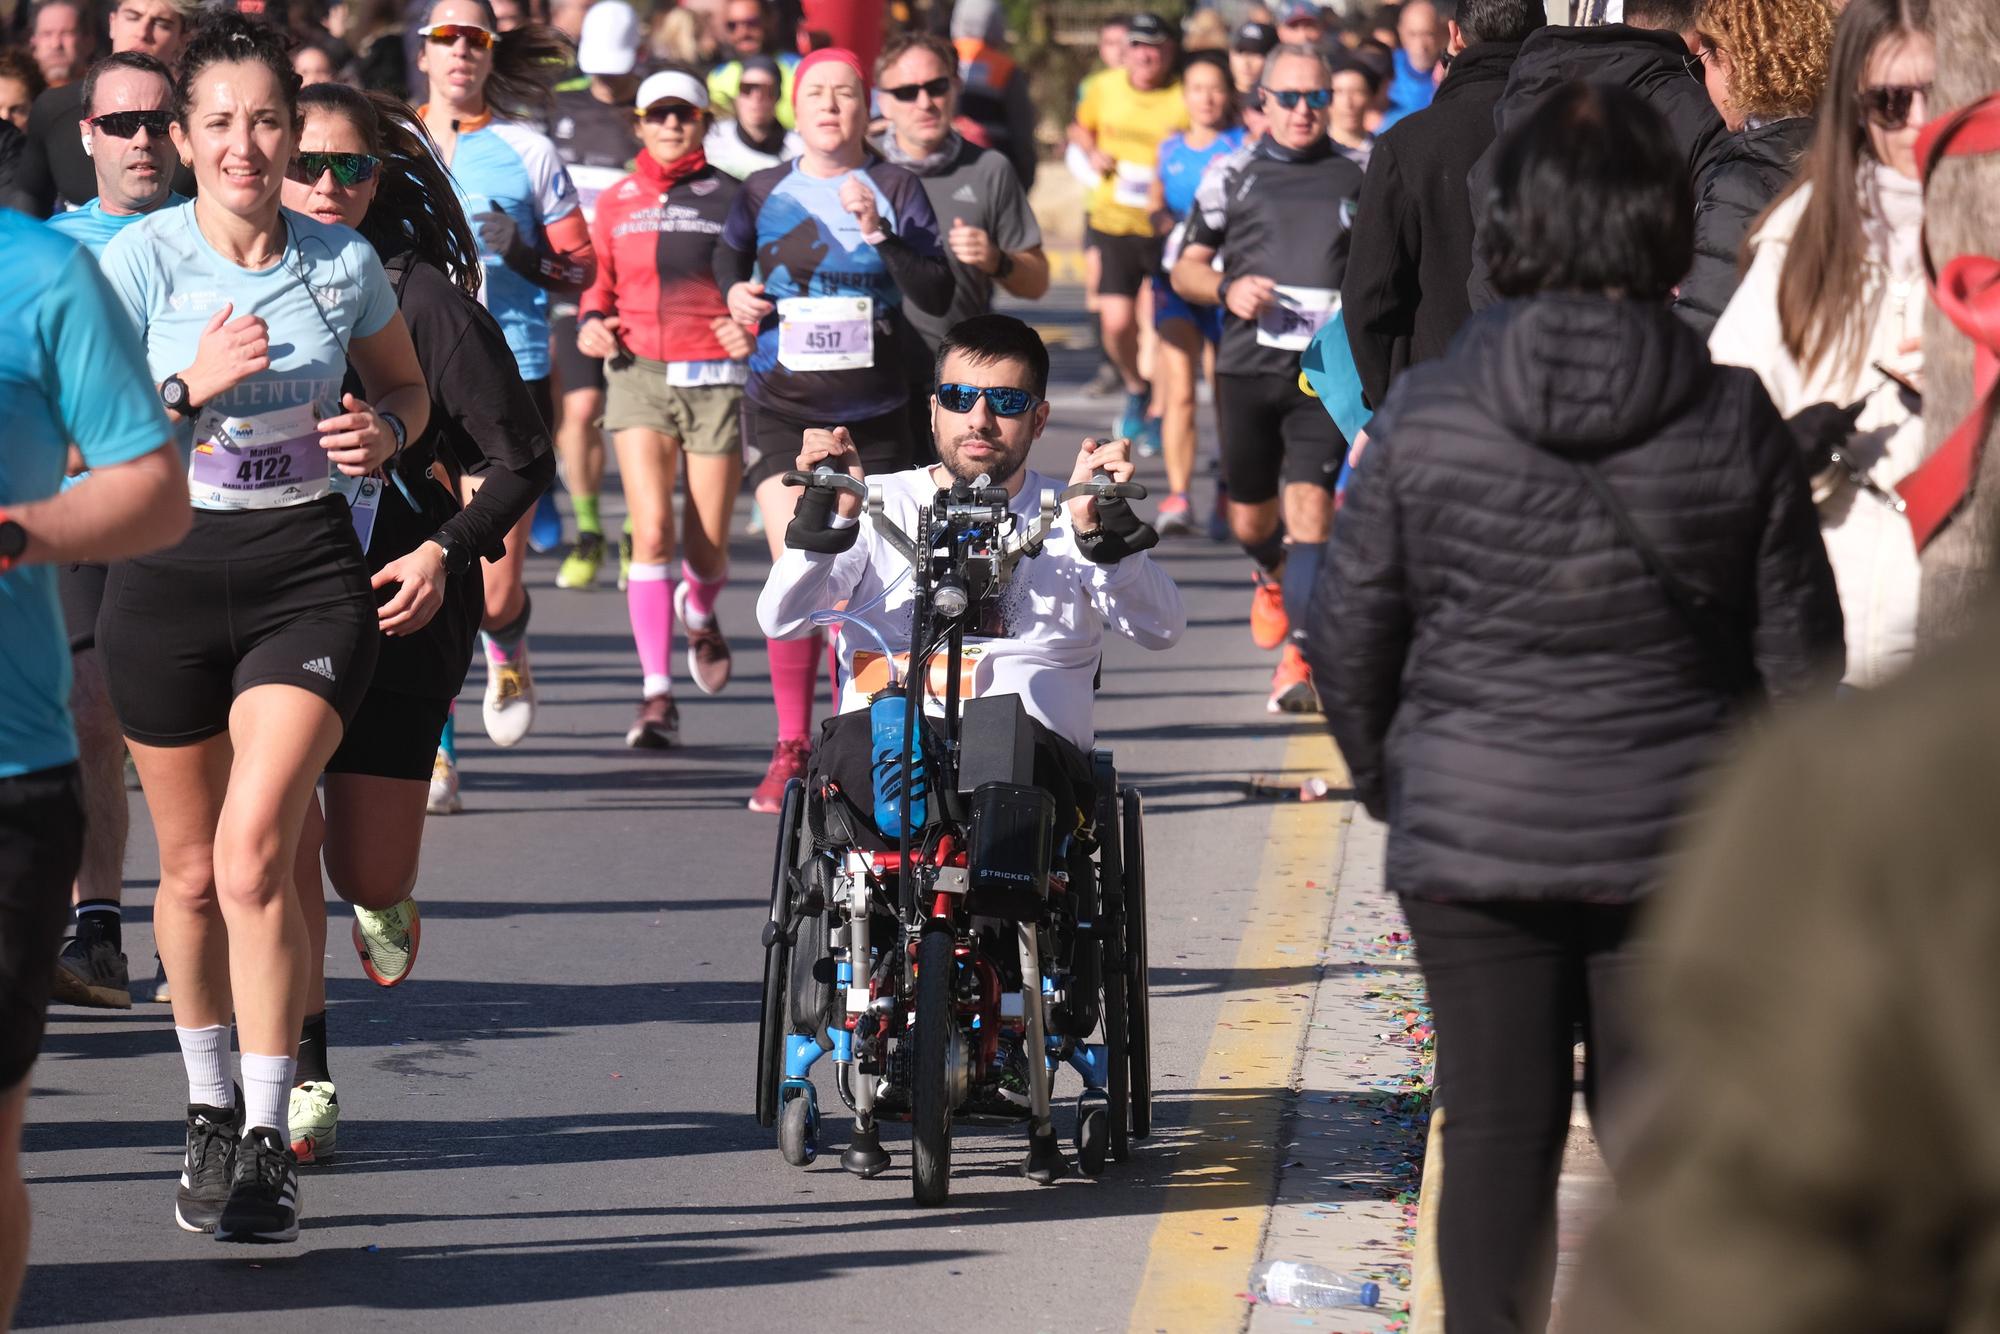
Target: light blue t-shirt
[326,290]
[1181,167]
[71,371]
[92,228]
[513,169]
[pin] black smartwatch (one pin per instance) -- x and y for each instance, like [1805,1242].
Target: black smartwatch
[455,561]
[174,394]
[13,542]
[1005,267]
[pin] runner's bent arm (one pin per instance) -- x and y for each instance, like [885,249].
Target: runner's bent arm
[1193,280]
[1137,599]
[804,582]
[392,377]
[911,251]
[122,510]
[1018,234]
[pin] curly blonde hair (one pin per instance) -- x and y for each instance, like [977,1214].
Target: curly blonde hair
[1777,51]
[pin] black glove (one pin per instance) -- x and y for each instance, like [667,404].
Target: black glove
[1820,429]
[1120,532]
[501,235]
[811,528]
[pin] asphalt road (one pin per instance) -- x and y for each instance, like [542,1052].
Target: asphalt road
[550,1123]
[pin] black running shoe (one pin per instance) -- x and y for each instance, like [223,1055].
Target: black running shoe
[264,1199]
[209,1166]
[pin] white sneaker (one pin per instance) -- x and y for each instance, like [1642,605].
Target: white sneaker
[444,786]
[509,708]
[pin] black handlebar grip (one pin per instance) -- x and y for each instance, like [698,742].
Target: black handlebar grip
[1120,532]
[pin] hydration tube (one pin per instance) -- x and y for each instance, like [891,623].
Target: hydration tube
[853,618]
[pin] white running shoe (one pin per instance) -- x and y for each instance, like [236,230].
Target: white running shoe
[387,941]
[444,786]
[509,708]
[315,1120]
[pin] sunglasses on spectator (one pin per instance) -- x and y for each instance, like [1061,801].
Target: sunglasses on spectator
[1318,99]
[1004,402]
[1888,106]
[743,25]
[760,88]
[446,34]
[907,92]
[126,124]
[348,169]
[661,112]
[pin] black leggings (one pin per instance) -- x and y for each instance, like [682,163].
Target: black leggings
[1510,984]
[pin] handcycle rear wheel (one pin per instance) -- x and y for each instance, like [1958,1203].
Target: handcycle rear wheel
[1139,1021]
[930,1092]
[773,1021]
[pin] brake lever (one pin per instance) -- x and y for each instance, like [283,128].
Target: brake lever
[825,478]
[1101,487]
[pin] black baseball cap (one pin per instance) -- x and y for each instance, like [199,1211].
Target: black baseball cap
[1148,30]
[1255,36]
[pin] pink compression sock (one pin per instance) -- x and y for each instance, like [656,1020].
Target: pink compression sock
[649,596]
[701,593]
[794,673]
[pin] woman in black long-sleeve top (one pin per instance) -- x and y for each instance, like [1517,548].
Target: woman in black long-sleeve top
[1518,691]
[364,160]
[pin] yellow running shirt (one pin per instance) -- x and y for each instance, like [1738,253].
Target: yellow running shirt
[1130,126]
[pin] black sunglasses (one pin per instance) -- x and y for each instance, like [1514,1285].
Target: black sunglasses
[661,112]
[1888,106]
[1004,402]
[907,92]
[347,168]
[1318,99]
[126,124]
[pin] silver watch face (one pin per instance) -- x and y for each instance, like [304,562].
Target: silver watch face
[174,393]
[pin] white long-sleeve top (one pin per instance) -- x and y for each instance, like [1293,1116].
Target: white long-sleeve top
[1053,612]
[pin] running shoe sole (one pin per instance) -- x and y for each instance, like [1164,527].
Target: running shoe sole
[252,1238]
[1298,697]
[652,738]
[69,989]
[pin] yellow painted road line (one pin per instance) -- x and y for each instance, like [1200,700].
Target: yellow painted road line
[1216,1203]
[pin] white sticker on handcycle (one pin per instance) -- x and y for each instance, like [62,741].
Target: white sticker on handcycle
[1294,315]
[826,333]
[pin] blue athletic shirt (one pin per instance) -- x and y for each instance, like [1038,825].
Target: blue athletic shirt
[1181,167]
[806,245]
[71,370]
[500,165]
[326,290]
[92,228]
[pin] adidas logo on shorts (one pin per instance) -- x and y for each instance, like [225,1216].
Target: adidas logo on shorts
[320,667]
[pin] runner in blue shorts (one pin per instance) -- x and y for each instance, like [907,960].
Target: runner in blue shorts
[1186,331]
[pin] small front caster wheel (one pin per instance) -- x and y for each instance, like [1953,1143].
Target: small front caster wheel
[798,1132]
[1093,1140]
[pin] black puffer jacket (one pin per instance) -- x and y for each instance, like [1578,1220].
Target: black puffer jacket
[1651,64]
[1510,687]
[1742,179]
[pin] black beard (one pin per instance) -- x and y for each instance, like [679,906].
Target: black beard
[996,472]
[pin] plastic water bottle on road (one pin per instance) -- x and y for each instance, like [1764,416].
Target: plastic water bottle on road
[1289,1283]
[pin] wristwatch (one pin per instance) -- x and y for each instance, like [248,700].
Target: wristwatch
[454,560]
[13,541]
[1004,267]
[174,394]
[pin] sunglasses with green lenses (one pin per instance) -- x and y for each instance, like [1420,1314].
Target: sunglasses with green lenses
[1004,402]
[348,168]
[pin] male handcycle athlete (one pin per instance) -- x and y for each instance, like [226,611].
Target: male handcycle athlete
[1041,636]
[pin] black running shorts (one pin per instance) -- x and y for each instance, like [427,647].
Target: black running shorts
[771,442]
[574,370]
[260,597]
[1127,263]
[41,845]
[1272,434]
[81,588]
[392,736]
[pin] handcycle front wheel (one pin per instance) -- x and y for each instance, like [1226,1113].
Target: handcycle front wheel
[773,1021]
[930,1092]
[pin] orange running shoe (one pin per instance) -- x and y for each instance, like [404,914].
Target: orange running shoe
[1268,623]
[1292,685]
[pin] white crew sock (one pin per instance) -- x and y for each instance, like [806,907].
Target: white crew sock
[267,1093]
[205,1053]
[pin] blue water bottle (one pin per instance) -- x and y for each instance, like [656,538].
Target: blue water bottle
[888,715]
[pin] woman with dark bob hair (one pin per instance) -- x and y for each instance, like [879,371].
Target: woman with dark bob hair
[1573,552]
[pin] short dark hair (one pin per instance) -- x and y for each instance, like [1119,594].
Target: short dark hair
[1662,15]
[1590,194]
[1384,19]
[1349,65]
[902,43]
[993,337]
[132,60]
[1499,20]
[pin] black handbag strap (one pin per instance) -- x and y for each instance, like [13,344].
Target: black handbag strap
[1723,650]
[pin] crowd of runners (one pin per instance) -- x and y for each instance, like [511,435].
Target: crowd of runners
[324,313]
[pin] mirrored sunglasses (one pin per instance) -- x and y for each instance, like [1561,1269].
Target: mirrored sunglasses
[347,168]
[1005,402]
[126,124]
[1318,99]
[445,34]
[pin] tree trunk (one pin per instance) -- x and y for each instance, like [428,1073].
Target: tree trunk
[1963,195]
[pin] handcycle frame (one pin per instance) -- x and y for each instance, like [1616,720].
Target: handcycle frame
[967,545]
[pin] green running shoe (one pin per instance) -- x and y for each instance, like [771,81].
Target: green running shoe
[586,557]
[315,1120]
[625,556]
[387,941]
